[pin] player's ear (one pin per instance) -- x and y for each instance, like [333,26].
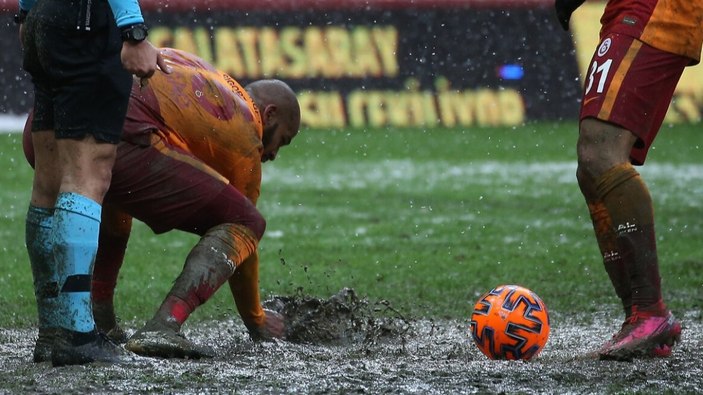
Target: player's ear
[270,114]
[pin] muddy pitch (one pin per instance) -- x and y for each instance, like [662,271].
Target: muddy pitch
[346,345]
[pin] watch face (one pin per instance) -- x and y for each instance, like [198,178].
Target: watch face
[135,33]
[138,33]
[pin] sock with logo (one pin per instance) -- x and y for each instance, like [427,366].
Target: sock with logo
[629,204]
[612,260]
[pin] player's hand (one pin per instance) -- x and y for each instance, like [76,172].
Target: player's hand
[143,59]
[274,327]
[564,9]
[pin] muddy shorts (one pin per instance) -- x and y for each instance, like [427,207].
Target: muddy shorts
[630,84]
[72,52]
[168,188]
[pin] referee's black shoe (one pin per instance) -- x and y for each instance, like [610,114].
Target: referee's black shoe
[76,348]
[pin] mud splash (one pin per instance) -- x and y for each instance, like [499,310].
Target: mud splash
[342,319]
[345,344]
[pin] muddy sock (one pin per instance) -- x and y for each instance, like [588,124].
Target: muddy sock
[210,263]
[629,204]
[104,315]
[657,309]
[75,242]
[39,222]
[612,260]
[110,256]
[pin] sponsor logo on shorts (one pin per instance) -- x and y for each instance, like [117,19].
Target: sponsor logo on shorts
[604,46]
[629,20]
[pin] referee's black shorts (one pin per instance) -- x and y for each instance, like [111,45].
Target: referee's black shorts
[72,52]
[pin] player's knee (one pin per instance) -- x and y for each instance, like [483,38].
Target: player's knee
[257,224]
[45,190]
[602,145]
[588,148]
[252,220]
[586,182]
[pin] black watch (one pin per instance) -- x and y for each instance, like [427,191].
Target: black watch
[135,33]
[20,17]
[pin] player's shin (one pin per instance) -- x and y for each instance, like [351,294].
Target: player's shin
[606,238]
[111,251]
[612,258]
[630,206]
[210,264]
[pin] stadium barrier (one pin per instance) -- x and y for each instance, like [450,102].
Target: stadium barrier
[383,63]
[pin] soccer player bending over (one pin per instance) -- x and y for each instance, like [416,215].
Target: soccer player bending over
[190,159]
[645,46]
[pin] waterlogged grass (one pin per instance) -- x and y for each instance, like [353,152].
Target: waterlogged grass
[426,219]
[16,295]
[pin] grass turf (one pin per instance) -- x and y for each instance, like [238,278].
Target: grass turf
[425,219]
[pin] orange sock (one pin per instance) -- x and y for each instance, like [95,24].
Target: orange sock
[612,260]
[629,204]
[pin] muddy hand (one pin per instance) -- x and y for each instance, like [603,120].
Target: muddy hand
[274,327]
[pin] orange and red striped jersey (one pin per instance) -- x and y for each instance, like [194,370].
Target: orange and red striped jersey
[205,112]
[669,25]
[208,114]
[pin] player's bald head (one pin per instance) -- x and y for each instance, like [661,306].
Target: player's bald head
[280,114]
[277,93]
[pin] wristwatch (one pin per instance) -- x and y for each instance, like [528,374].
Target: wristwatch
[135,33]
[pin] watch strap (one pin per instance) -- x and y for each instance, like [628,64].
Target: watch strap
[135,33]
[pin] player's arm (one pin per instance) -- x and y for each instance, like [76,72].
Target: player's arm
[262,324]
[564,9]
[115,228]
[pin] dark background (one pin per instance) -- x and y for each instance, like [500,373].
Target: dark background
[465,44]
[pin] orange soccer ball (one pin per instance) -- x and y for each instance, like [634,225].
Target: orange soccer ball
[510,322]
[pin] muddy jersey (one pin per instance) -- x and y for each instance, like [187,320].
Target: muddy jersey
[204,112]
[674,26]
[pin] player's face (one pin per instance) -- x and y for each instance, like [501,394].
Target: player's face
[280,136]
[277,133]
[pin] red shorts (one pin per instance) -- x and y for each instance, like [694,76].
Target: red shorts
[168,188]
[630,84]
